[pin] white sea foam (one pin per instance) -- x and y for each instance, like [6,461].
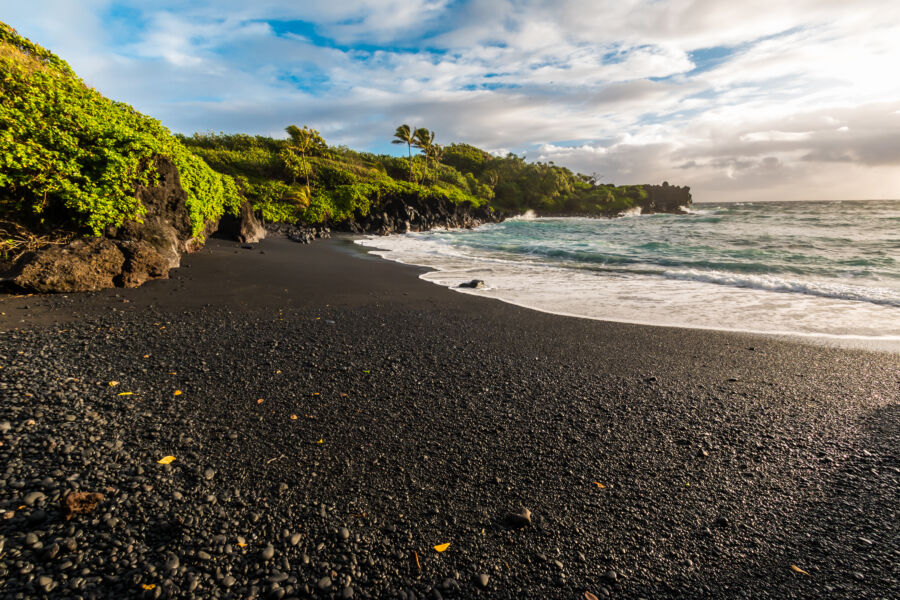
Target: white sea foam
[678,298]
[528,215]
[631,212]
[769,283]
[693,210]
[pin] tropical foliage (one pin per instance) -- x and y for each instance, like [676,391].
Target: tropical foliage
[71,158]
[338,181]
[327,183]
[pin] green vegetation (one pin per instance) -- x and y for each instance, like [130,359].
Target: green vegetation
[544,187]
[338,181]
[303,180]
[71,158]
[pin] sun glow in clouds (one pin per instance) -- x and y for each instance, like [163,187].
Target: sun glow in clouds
[739,100]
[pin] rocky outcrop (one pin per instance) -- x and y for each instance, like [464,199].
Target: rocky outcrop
[142,263]
[81,266]
[405,214]
[166,226]
[665,198]
[132,254]
[245,227]
[89,265]
[301,235]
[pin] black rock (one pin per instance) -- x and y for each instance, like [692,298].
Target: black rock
[518,520]
[475,283]
[33,498]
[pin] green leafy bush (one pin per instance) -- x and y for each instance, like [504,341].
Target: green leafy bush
[70,157]
[278,202]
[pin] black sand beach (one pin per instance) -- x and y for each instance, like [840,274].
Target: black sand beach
[656,463]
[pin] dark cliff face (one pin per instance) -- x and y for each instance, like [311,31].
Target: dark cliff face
[412,213]
[665,198]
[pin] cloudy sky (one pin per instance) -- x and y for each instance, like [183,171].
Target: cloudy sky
[762,99]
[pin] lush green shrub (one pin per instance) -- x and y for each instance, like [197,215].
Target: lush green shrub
[320,208]
[278,202]
[70,157]
[465,158]
[252,162]
[332,175]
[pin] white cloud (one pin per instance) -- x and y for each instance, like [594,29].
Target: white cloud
[803,101]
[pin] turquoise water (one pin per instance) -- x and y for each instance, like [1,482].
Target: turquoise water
[807,268]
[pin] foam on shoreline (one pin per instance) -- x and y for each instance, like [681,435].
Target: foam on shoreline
[747,304]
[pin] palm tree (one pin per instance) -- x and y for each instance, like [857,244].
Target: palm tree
[492,178]
[405,135]
[424,139]
[303,142]
[437,153]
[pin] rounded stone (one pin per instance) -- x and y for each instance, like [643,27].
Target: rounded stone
[268,552]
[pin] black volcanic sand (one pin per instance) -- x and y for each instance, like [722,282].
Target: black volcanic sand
[729,466]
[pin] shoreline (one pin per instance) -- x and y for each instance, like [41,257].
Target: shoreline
[348,243]
[888,344]
[423,418]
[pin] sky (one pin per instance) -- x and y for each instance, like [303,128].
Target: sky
[742,101]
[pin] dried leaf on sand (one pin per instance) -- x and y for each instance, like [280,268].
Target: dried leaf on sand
[80,503]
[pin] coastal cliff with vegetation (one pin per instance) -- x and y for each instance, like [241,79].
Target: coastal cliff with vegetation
[94,194]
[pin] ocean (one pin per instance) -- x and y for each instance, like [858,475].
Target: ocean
[824,270]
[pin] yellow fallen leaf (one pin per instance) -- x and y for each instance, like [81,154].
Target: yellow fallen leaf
[113,383]
[166,460]
[173,372]
[315,393]
[589,596]
[418,564]
[260,401]
[242,544]
[149,586]
[293,417]
[124,393]
[441,547]
[601,486]
[797,569]
[321,442]
[176,393]
[146,356]
[278,372]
